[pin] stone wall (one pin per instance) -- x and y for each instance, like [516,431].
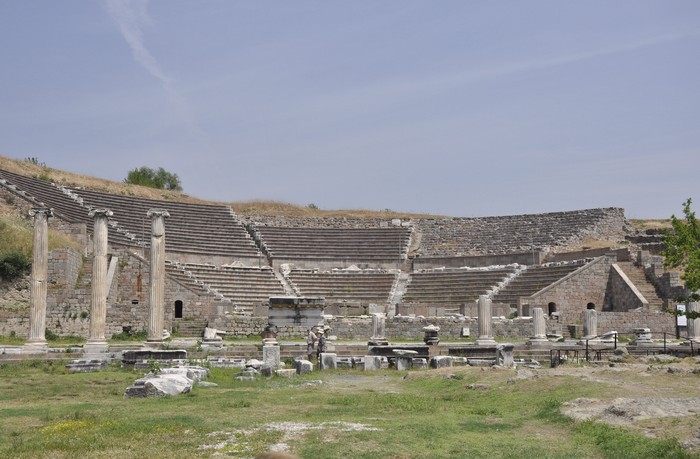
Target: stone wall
[625,322]
[574,292]
[479,261]
[622,295]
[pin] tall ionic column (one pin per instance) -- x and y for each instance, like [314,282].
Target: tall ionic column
[484,321]
[693,324]
[98,306]
[590,324]
[40,272]
[157,279]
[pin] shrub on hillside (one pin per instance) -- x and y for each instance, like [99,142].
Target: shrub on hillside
[13,265]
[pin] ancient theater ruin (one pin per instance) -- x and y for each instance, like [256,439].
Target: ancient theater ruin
[186,267]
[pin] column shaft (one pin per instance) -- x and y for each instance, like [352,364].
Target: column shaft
[98,306]
[157,277]
[40,269]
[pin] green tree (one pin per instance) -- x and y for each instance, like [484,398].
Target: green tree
[682,243]
[154,178]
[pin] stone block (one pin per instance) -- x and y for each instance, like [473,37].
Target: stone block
[404,363]
[328,361]
[286,373]
[441,361]
[271,356]
[420,364]
[303,366]
[375,362]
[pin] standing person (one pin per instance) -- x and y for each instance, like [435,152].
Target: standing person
[321,344]
[310,341]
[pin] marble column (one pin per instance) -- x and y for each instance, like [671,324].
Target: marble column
[98,306]
[693,324]
[38,288]
[590,324]
[157,278]
[484,321]
[378,330]
[539,333]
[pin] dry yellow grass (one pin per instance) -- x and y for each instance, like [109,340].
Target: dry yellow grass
[650,224]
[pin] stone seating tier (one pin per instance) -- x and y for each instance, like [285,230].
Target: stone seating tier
[190,227]
[328,243]
[533,280]
[454,286]
[66,208]
[495,235]
[246,287]
[346,286]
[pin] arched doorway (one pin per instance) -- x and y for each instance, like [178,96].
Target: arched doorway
[551,309]
[590,306]
[178,309]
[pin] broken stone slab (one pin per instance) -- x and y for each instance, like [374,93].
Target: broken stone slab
[328,361]
[345,362]
[441,361]
[221,362]
[303,366]
[286,373]
[160,385]
[375,362]
[460,361]
[85,366]
[421,364]
[254,363]
[194,373]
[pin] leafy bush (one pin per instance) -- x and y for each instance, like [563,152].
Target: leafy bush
[159,178]
[14,264]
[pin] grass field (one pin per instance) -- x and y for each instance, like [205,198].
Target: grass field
[47,412]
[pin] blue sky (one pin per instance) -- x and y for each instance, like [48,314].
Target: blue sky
[463,108]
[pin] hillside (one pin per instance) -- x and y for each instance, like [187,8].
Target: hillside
[255,207]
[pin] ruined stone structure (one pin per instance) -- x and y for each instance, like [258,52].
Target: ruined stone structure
[37,312]
[219,269]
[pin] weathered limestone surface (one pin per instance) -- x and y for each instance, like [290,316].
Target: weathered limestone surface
[590,324]
[485,318]
[168,382]
[157,285]
[38,289]
[98,310]
[539,332]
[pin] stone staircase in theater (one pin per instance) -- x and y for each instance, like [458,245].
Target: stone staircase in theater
[646,288]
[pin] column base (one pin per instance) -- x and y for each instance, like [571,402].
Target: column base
[537,341]
[35,347]
[95,348]
[153,344]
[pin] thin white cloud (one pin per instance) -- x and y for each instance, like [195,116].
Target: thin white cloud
[132,17]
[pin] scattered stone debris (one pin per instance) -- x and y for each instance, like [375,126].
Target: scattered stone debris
[167,382]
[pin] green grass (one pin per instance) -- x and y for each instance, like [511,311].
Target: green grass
[45,411]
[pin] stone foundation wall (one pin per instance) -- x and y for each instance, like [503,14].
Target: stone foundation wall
[572,294]
[625,322]
[360,328]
